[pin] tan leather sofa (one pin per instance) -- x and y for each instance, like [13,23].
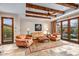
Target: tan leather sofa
[37,34]
[24,40]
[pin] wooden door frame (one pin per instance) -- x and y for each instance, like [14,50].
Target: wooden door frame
[78,30]
[2,20]
[69,29]
[61,29]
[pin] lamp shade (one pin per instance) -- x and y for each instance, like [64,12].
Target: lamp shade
[47,29]
[28,29]
[45,32]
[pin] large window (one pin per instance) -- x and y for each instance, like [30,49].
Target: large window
[74,29]
[68,29]
[65,30]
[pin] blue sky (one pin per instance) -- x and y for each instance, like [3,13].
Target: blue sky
[8,21]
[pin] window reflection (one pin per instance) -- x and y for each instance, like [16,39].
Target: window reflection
[65,30]
[74,29]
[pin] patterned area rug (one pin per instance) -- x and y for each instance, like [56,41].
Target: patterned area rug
[43,46]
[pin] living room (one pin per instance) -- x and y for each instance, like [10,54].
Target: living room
[37,29]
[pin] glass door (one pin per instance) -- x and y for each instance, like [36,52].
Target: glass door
[7,30]
[65,30]
[74,29]
[58,27]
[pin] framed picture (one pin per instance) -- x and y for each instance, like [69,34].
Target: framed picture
[38,27]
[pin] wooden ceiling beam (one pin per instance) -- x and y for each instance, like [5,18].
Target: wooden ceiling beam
[71,5]
[29,5]
[37,16]
[38,13]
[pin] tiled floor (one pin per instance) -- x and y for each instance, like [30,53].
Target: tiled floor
[70,49]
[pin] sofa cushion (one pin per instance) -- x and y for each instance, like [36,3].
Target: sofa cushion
[43,38]
[35,35]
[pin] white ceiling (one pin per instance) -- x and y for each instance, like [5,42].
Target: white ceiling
[53,6]
[18,8]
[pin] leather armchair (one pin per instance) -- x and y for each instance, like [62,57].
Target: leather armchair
[24,40]
[52,37]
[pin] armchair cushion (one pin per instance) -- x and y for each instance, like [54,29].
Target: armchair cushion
[21,36]
[18,37]
[54,34]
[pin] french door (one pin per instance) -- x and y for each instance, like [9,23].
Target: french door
[70,30]
[7,30]
[65,30]
[74,30]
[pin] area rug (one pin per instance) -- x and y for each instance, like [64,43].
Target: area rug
[43,46]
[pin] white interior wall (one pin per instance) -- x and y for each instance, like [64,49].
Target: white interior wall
[30,23]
